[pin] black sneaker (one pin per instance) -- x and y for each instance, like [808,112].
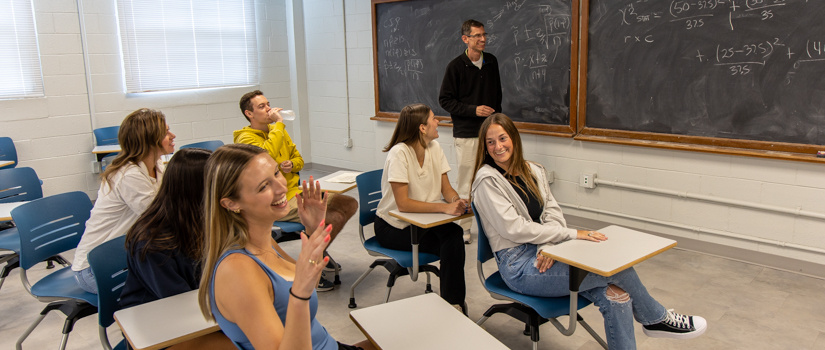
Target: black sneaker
[324,285]
[677,326]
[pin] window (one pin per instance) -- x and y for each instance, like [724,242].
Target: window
[187,44]
[19,57]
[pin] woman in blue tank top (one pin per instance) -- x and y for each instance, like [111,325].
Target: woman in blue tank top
[260,296]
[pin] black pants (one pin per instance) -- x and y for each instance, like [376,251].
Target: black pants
[444,241]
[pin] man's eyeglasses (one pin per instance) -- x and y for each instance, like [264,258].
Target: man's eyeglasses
[478,36]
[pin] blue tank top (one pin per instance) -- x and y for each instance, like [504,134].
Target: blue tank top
[321,339]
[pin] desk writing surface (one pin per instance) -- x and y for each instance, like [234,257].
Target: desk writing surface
[427,220]
[106,149]
[5,210]
[623,248]
[6,162]
[337,187]
[164,322]
[421,322]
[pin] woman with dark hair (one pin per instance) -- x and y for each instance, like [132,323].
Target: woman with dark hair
[127,186]
[415,180]
[165,244]
[519,215]
[260,296]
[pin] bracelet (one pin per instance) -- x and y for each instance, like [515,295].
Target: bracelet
[293,294]
[453,199]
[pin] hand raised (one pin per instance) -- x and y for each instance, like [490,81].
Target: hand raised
[311,261]
[312,205]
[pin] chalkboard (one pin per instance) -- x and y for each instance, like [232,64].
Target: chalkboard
[415,40]
[709,70]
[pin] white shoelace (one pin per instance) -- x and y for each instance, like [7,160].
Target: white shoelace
[678,320]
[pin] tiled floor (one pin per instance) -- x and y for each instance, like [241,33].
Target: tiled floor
[747,306]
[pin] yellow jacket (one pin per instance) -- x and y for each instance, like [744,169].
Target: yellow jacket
[280,146]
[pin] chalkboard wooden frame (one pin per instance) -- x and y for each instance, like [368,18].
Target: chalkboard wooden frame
[762,149]
[530,128]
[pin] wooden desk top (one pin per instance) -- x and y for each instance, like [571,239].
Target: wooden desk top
[165,322]
[421,322]
[427,220]
[623,248]
[338,187]
[106,149]
[5,210]
[6,162]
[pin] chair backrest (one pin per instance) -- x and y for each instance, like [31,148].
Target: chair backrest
[50,225]
[369,194]
[19,184]
[484,251]
[108,262]
[8,152]
[211,145]
[107,135]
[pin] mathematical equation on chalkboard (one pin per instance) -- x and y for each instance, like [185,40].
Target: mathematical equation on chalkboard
[740,58]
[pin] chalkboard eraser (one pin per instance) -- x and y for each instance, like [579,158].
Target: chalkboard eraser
[820,154]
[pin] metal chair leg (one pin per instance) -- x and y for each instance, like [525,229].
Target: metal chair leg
[19,345]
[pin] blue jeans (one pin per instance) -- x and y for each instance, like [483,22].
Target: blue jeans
[86,279]
[517,267]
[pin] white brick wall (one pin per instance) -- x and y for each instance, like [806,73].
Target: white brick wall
[773,182]
[53,134]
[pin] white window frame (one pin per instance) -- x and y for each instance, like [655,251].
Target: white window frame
[187,44]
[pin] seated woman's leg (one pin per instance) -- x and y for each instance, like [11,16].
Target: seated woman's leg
[646,310]
[447,242]
[518,269]
[617,311]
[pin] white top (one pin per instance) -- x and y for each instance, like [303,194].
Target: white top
[117,209]
[622,249]
[422,322]
[164,322]
[424,181]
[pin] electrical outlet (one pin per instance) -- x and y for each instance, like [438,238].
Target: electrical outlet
[587,180]
[551,176]
[95,167]
[348,143]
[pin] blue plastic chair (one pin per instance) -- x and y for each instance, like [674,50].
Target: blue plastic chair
[106,136]
[400,262]
[8,152]
[108,262]
[17,185]
[533,311]
[47,227]
[211,145]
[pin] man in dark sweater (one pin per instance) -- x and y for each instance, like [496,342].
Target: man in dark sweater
[470,92]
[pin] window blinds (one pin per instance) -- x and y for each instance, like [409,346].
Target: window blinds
[20,74]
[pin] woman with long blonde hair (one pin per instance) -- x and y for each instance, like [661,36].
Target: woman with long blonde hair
[127,187]
[519,215]
[260,296]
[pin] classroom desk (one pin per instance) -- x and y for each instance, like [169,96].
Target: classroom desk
[6,162]
[421,322]
[337,187]
[424,221]
[623,248]
[5,209]
[102,151]
[165,322]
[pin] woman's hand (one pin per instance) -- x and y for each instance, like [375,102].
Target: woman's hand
[591,236]
[456,208]
[311,260]
[312,206]
[543,263]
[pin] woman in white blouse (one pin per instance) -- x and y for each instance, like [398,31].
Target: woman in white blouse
[127,186]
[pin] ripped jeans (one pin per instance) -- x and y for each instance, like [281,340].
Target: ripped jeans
[517,267]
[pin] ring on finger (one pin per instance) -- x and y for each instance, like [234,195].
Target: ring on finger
[590,234]
[313,262]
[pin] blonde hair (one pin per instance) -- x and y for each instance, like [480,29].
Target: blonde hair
[224,229]
[141,133]
[517,163]
[406,130]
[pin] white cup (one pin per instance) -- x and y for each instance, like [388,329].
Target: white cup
[288,114]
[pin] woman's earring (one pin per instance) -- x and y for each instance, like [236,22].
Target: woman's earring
[237,211]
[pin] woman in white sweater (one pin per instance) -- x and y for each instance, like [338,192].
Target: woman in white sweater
[519,215]
[127,186]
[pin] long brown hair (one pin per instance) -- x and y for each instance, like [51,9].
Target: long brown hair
[517,163]
[141,133]
[224,229]
[406,130]
[174,220]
